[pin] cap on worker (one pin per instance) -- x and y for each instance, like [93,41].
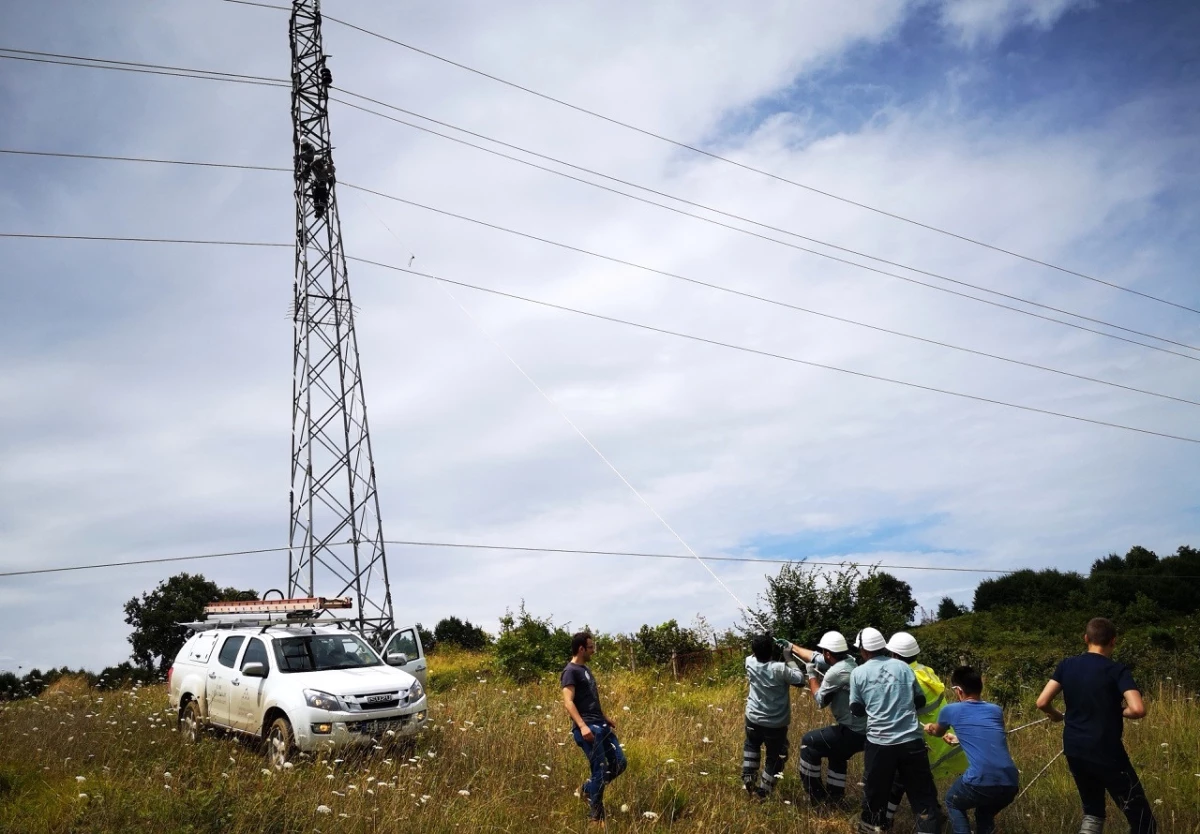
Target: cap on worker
[833,641]
[903,644]
[870,639]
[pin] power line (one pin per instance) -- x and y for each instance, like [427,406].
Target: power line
[623,262]
[774,301]
[117,239]
[637,325]
[742,219]
[132,562]
[239,78]
[567,552]
[112,158]
[799,248]
[132,66]
[771,355]
[718,157]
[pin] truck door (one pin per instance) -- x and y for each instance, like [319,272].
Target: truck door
[220,679]
[247,698]
[408,641]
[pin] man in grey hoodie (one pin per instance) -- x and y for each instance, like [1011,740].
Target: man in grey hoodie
[768,713]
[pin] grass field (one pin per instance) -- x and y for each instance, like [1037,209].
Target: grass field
[498,758]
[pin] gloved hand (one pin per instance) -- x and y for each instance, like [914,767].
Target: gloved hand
[784,645]
[810,669]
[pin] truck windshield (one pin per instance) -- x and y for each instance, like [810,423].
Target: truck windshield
[318,652]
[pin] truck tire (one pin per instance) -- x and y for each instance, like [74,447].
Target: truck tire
[191,724]
[280,744]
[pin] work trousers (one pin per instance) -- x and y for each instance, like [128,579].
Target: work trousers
[775,740]
[987,800]
[836,745]
[1121,782]
[605,758]
[906,764]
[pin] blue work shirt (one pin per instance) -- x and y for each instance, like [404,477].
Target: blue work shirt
[980,730]
[888,690]
[769,703]
[834,693]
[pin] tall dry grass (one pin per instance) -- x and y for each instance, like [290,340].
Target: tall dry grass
[84,761]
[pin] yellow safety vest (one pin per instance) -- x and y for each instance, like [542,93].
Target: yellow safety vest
[945,760]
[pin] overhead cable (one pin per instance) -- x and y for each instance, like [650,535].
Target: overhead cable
[816,252]
[732,216]
[844,563]
[636,325]
[744,166]
[772,355]
[633,265]
[234,77]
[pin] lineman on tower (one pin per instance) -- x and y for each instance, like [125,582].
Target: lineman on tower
[946,760]
[829,671]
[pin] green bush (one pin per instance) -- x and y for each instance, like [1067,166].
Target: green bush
[529,646]
[451,631]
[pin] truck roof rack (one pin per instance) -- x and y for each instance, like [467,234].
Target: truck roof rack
[264,623]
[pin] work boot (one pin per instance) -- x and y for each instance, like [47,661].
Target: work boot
[596,811]
[1091,825]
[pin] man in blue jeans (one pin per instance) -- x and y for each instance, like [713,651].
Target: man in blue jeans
[1099,693]
[594,732]
[990,783]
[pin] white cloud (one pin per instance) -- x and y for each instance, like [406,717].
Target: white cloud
[975,21]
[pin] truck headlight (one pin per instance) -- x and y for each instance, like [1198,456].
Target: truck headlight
[415,692]
[321,700]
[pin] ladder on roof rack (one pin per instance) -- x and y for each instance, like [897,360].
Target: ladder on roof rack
[291,607]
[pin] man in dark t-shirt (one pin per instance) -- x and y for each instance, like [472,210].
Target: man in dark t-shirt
[1098,693]
[594,732]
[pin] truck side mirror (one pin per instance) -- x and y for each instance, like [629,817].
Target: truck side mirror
[397,658]
[254,670]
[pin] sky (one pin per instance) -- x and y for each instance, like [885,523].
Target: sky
[145,389]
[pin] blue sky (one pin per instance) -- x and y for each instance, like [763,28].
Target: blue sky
[144,408]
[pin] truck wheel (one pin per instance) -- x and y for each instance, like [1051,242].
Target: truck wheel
[190,723]
[280,743]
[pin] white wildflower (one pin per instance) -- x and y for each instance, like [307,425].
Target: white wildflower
[324,809]
[167,774]
[625,808]
[649,815]
[80,778]
[464,792]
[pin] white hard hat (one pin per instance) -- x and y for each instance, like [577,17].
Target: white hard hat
[903,644]
[870,639]
[833,641]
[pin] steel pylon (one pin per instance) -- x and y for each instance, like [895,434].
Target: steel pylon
[336,538]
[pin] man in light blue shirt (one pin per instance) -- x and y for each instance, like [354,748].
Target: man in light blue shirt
[886,691]
[768,713]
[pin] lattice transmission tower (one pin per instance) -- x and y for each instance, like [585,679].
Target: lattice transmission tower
[336,537]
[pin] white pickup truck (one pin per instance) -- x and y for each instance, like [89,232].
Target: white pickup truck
[298,687]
